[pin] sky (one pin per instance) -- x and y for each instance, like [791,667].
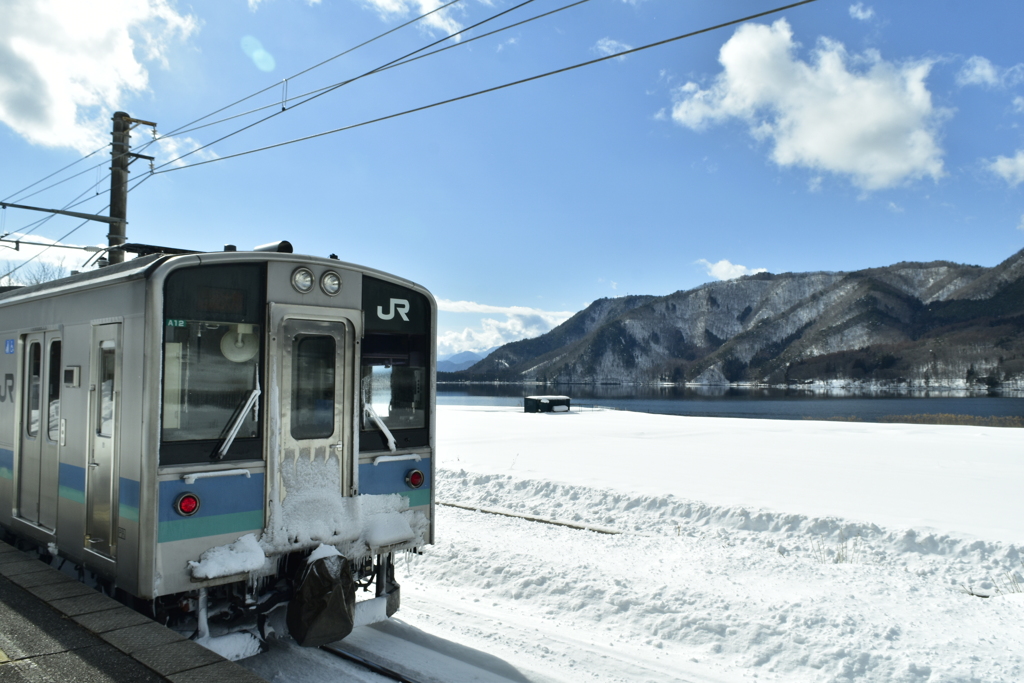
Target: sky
[829,136]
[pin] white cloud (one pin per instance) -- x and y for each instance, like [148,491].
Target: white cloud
[609,46]
[859,11]
[68,65]
[1020,226]
[172,148]
[391,10]
[1018,105]
[520,322]
[895,208]
[980,71]
[814,184]
[724,270]
[1010,169]
[874,123]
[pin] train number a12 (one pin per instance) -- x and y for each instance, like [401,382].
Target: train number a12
[401,306]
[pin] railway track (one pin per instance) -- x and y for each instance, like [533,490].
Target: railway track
[532,518]
[376,668]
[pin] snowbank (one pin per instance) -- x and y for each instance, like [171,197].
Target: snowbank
[955,479]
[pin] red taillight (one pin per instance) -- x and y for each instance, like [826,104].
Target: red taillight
[187,504]
[414,478]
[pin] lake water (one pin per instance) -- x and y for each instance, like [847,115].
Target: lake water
[741,402]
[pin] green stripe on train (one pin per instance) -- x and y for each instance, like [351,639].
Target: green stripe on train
[73,495]
[197,527]
[420,497]
[128,512]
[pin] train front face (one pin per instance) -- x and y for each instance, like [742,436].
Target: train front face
[296,414]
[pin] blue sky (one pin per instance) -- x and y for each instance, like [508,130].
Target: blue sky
[831,136]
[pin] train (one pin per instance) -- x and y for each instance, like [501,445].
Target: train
[223,433]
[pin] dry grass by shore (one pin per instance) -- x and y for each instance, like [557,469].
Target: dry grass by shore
[938,419]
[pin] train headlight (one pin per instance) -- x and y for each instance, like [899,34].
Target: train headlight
[302,280]
[187,504]
[414,479]
[330,282]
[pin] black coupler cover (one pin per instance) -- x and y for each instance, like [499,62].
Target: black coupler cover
[323,608]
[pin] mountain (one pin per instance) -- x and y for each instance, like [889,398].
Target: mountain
[910,323]
[462,361]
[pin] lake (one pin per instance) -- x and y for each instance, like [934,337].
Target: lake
[792,404]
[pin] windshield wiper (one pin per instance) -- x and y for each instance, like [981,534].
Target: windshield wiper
[250,404]
[380,425]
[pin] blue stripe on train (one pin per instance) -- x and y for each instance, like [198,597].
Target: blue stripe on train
[128,499]
[217,495]
[227,505]
[72,482]
[6,463]
[389,477]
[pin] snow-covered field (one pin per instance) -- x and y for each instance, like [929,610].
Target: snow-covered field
[751,549]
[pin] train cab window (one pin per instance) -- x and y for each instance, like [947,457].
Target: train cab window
[212,364]
[34,362]
[53,382]
[393,389]
[313,385]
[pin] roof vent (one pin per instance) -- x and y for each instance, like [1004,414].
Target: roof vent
[282,247]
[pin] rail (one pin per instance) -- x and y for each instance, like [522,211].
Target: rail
[533,518]
[376,668]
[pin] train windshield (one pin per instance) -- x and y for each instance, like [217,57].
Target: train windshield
[212,364]
[393,383]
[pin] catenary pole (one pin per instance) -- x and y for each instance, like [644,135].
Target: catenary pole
[119,185]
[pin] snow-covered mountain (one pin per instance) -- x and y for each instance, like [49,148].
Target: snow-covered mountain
[912,323]
[462,360]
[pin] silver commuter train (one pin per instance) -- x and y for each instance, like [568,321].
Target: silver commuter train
[189,427]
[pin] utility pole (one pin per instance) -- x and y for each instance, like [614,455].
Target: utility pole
[119,185]
[120,157]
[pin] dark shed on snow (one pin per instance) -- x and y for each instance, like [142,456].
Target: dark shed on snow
[546,404]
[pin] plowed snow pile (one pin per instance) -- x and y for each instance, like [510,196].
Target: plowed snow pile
[769,549]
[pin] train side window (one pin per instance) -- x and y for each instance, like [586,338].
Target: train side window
[34,362]
[53,382]
[105,412]
[313,368]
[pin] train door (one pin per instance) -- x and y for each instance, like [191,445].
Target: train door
[317,397]
[104,435]
[40,430]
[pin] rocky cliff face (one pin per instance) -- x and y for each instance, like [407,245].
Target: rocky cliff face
[915,323]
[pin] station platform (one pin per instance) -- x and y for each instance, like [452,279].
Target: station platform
[56,629]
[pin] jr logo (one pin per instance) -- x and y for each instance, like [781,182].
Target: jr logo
[7,389]
[400,305]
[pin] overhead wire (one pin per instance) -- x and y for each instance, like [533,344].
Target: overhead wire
[35,225]
[344,83]
[496,88]
[386,68]
[45,249]
[56,172]
[248,97]
[178,130]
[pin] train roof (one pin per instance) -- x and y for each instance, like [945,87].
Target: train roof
[144,266]
[129,270]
